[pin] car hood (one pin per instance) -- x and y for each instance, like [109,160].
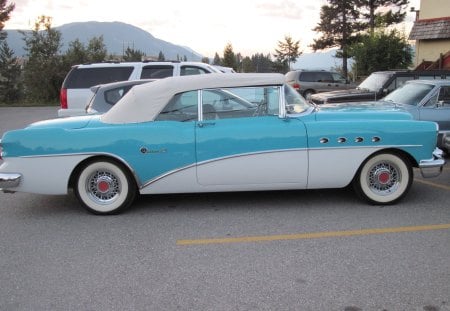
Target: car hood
[343,94]
[362,111]
[63,123]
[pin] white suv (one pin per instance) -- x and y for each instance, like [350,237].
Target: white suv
[75,91]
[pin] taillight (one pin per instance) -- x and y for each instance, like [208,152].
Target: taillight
[63,98]
[296,86]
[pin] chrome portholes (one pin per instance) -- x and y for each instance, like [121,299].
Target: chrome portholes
[343,140]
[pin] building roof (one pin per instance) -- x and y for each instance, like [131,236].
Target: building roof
[435,28]
[144,102]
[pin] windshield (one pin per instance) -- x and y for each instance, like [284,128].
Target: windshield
[295,103]
[409,93]
[374,82]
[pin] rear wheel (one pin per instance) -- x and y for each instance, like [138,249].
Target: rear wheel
[383,179]
[104,187]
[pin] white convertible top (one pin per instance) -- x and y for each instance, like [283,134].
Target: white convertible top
[144,102]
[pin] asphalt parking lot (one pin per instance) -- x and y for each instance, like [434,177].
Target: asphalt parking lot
[283,250]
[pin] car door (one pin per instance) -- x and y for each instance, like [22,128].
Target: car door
[242,143]
[437,109]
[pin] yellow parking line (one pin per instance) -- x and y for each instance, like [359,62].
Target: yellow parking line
[313,235]
[429,183]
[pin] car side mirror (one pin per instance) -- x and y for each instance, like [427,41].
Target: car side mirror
[439,104]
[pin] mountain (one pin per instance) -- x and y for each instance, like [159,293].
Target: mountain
[117,36]
[319,60]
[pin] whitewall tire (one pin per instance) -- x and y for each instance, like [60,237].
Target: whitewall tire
[104,187]
[383,179]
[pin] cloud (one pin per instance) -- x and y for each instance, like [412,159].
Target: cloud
[284,9]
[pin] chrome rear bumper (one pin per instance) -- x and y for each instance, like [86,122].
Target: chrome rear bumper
[9,180]
[433,167]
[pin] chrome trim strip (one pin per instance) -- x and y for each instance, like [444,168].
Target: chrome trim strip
[153,180]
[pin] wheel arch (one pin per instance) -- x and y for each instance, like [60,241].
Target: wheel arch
[102,157]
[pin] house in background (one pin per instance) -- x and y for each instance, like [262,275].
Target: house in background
[431,31]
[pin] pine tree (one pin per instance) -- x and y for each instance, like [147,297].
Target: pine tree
[9,75]
[5,12]
[390,14]
[43,72]
[287,53]
[229,58]
[161,56]
[339,26]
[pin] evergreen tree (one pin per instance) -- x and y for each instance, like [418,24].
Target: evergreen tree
[339,26]
[287,52]
[9,75]
[75,54]
[96,50]
[247,65]
[217,61]
[390,14]
[5,12]
[262,63]
[43,72]
[205,60]
[132,55]
[229,58]
[161,56]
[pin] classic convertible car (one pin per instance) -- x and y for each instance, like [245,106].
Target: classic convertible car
[209,133]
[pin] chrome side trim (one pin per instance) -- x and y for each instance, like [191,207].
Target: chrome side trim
[153,180]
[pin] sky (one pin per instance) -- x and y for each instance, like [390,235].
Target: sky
[251,26]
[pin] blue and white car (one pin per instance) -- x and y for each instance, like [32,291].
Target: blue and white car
[209,133]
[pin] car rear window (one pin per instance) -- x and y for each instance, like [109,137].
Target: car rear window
[157,72]
[81,78]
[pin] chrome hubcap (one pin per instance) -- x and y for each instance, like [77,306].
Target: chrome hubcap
[103,187]
[384,178]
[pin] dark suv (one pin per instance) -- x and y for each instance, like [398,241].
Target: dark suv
[378,85]
[308,82]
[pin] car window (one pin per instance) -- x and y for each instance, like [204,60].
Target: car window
[308,77]
[444,95]
[324,77]
[295,103]
[410,93]
[337,77]
[112,96]
[192,70]
[157,72]
[81,78]
[182,107]
[374,82]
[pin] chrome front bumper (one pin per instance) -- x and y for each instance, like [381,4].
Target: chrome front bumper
[9,180]
[433,167]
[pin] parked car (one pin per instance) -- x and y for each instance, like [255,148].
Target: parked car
[107,95]
[75,90]
[426,100]
[236,132]
[378,85]
[308,82]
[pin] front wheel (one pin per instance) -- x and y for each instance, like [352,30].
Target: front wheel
[104,187]
[383,179]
